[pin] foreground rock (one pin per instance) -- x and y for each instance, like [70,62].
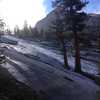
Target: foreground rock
[11,89]
[50,82]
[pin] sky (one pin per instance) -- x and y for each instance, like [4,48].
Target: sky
[15,12]
[93,6]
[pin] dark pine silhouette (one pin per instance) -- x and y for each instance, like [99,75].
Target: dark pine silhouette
[58,29]
[74,18]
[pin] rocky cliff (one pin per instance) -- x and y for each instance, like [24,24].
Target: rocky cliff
[92,23]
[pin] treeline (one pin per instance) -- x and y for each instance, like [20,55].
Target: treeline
[26,31]
[30,32]
[88,37]
[2,25]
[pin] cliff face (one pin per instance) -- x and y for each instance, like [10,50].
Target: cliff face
[44,24]
[92,23]
[94,20]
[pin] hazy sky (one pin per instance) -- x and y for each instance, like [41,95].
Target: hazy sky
[15,12]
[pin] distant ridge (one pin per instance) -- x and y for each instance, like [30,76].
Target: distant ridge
[92,23]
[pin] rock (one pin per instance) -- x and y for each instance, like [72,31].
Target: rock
[97,79]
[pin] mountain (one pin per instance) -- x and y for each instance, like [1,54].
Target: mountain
[94,20]
[44,24]
[92,23]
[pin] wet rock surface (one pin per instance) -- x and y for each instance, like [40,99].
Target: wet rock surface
[49,82]
[11,89]
[45,74]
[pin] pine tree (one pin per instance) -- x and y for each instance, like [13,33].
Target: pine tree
[2,25]
[58,29]
[17,31]
[74,18]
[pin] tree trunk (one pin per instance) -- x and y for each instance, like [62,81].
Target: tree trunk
[99,43]
[77,53]
[64,54]
[61,39]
